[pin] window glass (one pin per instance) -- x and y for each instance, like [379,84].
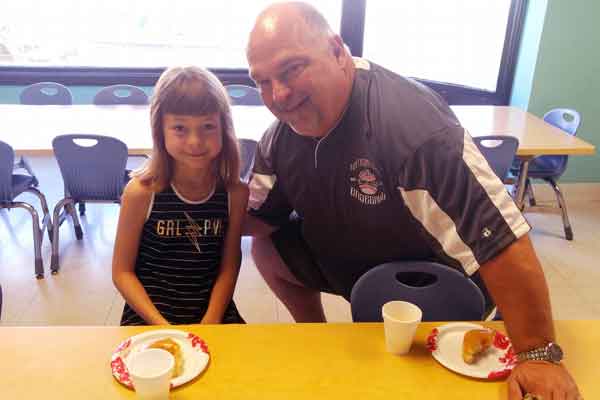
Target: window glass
[133,33]
[454,41]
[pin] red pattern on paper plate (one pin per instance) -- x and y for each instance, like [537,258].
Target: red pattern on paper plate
[198,343]
[494,375]
[509,359]
[432,340]
[501,341]
[120,371]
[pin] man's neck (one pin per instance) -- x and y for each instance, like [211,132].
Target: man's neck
[347,97]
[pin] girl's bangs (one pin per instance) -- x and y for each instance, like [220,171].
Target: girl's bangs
[190,98]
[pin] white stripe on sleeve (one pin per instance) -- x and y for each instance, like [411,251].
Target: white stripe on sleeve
[260,186]
[425,209]
[493,187]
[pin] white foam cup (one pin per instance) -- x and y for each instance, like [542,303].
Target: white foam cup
[400,322]
[151,372]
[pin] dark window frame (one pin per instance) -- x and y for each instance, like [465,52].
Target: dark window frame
[351,30]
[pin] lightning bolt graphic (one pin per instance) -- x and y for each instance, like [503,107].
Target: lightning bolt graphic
[192,231]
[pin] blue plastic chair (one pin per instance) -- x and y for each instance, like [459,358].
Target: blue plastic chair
[11,186]
[242,95]
[442,293]
[121,94]
[499,151]
[247,151]
[93,171]
[46,93]
[551,168]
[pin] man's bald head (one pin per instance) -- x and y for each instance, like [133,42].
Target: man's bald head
[304,20]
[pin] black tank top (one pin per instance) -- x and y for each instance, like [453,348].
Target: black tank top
[180,254]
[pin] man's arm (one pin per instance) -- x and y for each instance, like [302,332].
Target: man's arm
[516,282]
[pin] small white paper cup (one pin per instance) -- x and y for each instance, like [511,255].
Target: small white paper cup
[151,372]
[400,322]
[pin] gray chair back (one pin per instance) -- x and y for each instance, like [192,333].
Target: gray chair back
[442,293]
[242,95]
[499,151]
[92,166]
[46,93]
[121,94]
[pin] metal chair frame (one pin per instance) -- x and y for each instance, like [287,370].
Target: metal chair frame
[7,196]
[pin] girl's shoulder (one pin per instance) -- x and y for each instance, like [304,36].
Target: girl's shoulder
[136,190]
[238,195]
[237,189]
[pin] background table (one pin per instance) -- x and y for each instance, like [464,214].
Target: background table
[30,129]
[282,361]
[536,137]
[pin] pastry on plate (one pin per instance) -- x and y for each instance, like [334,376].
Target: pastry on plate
[475,343]
[174,348]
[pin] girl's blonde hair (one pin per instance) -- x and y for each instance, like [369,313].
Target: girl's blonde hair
[189,91]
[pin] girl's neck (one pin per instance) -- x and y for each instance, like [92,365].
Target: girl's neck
[194,184]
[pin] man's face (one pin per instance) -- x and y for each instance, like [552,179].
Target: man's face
[301,80]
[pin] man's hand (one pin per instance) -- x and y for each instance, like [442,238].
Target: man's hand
[546,380]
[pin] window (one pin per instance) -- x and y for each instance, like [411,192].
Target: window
[457,42]
[132,33]
[464,49]
[457,46]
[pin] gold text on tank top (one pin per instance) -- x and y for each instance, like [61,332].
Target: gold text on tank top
[192,229]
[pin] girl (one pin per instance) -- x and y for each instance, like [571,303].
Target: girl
[177,251]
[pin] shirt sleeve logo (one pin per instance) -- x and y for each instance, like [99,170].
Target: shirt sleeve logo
[365,182]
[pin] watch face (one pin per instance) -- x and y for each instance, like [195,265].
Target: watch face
[555,352]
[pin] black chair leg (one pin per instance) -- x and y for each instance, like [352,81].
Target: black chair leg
[530,194]
[563,208]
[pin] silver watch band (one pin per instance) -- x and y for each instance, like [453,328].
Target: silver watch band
[539,354]
[551,352]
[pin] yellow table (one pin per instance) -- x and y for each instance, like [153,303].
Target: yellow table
[283,361]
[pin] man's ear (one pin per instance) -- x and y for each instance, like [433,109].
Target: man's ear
[338,47]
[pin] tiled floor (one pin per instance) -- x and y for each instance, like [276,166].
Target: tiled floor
[83,294]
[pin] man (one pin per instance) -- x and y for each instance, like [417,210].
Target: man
[373,168]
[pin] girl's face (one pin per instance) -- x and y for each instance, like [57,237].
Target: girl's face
[193,141]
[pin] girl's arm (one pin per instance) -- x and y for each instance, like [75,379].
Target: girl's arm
[230,265]
[134,208]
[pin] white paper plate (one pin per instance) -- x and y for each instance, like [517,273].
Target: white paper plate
[194,350]
[446,343]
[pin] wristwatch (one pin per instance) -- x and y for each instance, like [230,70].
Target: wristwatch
[551,352]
